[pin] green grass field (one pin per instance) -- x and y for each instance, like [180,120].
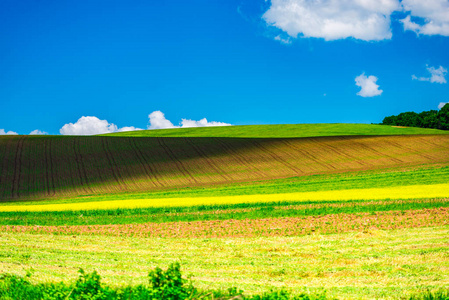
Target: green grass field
[365,265]
[360,211]
[282,131]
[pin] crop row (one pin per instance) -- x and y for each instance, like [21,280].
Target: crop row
[396,192]
[60,166]
[214,212]
[335,223]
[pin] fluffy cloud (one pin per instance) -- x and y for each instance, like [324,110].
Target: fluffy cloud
[3,132]
[201,123]
[38,132]
[436,75]
[440,106]
[368,85]
[128,128]
[158,121]
[367,20]
[433,15]
[88,126]
[91,126]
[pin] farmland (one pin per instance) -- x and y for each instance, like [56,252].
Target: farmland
[360,211]
[53,167]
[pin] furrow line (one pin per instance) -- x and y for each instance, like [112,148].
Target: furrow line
[308,155]
[338,152]
[241,159]
[178,163]
[52,172]
[144,163]
[366,147]
[80,164]
[4,169]
[111,162]
[208,161]
[17,168]
[278,158]
[411,150]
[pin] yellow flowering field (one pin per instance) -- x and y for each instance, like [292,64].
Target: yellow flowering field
[400,192]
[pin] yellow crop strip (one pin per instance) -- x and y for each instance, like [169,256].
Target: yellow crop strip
[402,192]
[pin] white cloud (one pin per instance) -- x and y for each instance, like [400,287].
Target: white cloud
[286,41]
[3,132]
[93,125]
[88,126]
[201,123]
[436,75]
[158,121]
[368,85]
[38,132]
[367,20]
[440,106]
[128,128]
[434,15]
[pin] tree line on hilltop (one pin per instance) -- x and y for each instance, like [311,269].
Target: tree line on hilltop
[438,119]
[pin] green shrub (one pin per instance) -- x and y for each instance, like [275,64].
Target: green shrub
[442,294]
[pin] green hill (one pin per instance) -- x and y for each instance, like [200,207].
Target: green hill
[282,131]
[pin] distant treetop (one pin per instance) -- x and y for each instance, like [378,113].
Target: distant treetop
[426,119]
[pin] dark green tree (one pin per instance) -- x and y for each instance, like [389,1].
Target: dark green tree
[443,118]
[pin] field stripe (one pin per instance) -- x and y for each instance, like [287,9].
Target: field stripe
[145,165]
[112,164]
[208,161]
[17,169]
[50,164]
[277,158]
[80,165]
[4,170]
[338,152]
[307,154]
[400,192]
[243,161]
[289,226]
[381,154]
[178,163]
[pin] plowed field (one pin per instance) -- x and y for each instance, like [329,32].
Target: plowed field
[58,166]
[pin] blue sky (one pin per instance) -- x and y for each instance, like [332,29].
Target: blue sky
[237,62]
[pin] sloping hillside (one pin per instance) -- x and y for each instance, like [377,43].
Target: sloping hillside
[54,166]
[283,131]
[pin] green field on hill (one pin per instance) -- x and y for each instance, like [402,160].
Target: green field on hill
[282,131]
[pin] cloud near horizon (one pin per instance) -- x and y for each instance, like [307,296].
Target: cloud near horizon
[436,75]
[442,104]
[38,132]
[3,132]
[92,125]
[368,85]
[157,120]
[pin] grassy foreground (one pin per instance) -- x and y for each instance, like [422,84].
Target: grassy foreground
[372,264]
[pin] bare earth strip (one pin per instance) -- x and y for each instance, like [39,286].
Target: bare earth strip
[336,223]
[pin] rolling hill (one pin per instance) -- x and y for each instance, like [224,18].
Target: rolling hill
[47,167]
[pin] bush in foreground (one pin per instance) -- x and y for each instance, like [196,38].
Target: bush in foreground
[167,285]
